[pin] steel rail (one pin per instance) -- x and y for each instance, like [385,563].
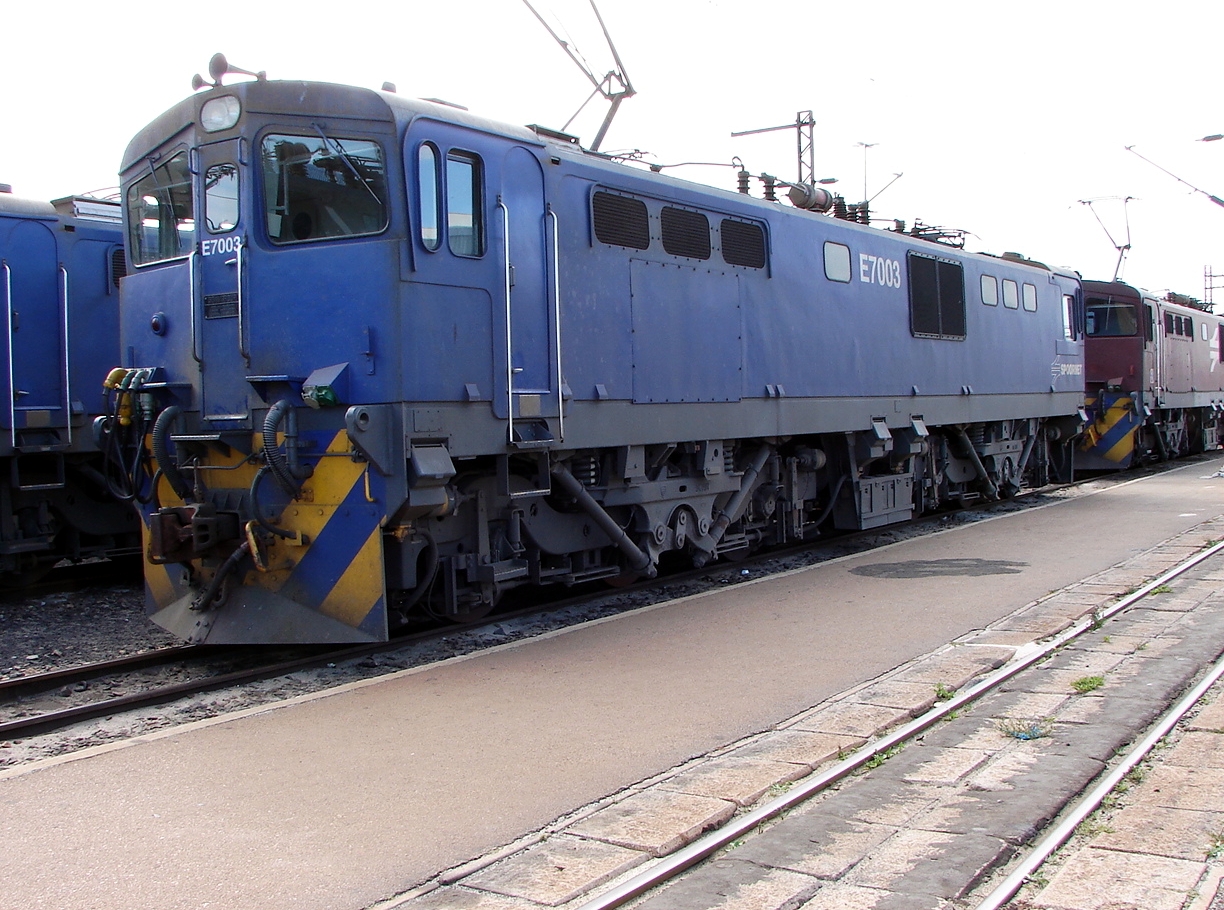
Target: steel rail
[671,866]
[1089,803]
[42,682]
[54,720]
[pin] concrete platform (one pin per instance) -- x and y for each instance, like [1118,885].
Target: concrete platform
[346,798]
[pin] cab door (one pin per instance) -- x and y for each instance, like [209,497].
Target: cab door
[523,200]
[36,289]
[530,297]
[221,335]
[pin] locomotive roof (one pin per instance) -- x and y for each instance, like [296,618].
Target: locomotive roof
[1123,290]
[335,102]
[15,205]
[308,99]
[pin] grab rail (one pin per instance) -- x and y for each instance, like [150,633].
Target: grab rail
[8,304]
[67,353]
[191,309]
[557,322]
[509,340]
[246,355]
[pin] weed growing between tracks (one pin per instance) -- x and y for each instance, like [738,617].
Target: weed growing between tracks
[1086,684]
[1026,729]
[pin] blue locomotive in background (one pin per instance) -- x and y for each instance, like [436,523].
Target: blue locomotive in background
[391,357]
[60,268]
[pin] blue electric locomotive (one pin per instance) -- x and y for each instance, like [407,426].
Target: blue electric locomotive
[60,265]
[393,357]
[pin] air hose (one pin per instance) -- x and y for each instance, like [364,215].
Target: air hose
[277,462]
[161,452]
[427,578]
[258,513]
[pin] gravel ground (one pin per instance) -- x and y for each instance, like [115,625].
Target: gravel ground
[48,631]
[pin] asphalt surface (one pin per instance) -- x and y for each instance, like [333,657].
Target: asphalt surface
[342,799]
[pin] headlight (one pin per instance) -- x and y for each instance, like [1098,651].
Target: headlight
[220,113]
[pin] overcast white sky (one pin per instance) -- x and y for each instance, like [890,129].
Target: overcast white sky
[1002,116]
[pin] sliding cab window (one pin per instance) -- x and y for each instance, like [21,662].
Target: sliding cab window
[428,179]
[160,210]
[937,297]
[322,187]
[464,224]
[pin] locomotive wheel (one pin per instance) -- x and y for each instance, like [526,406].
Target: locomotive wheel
[624,580]
[472,614]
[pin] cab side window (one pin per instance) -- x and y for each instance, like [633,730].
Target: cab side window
[464,224]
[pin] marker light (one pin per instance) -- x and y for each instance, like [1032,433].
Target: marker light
[220,113]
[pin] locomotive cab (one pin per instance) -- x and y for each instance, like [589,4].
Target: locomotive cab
[262,247]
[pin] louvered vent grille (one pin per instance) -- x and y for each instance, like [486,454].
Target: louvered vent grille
[686,233]
[743,244]
[118,266]
[621,221]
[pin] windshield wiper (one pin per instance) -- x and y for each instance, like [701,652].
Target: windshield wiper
[348,162]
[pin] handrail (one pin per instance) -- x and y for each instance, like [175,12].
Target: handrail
[8,303]
[509,339]
[557,322]
[191,309]
[246,355]
[67,355]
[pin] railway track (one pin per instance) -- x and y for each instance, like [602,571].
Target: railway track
[640,888]
[931,808]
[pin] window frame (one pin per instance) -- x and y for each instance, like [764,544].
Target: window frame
[293,132]
[994,290]
[1028,294]
[134,225]
[464,157]
[208,197]
[1011,300]
[437,191]
[849,270]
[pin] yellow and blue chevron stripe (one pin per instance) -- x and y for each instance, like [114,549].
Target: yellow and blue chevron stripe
[338,572]
[1110,433]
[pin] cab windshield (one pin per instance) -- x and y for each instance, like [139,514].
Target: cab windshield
[1106,318]
[318,187]
[161,220]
